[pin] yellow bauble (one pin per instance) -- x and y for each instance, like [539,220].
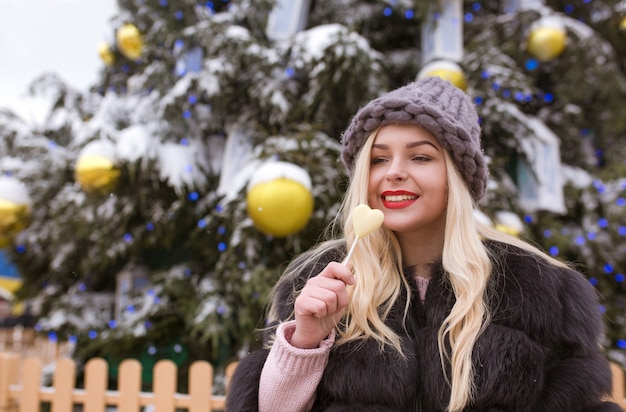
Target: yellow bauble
[15,207]
[279,198]
[622,24]
[546,43]
[446,70]
[104,50]
[96,174]
[129,41]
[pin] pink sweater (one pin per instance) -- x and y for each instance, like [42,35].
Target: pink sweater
[290,375]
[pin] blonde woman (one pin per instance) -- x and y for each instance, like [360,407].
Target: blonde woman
[434,312]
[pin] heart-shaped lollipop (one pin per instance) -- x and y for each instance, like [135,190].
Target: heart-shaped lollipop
[364,221]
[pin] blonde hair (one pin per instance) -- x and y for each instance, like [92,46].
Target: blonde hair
[465,259]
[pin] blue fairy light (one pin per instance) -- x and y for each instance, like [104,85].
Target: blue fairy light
[52,336]
[20,248]
[72,339]
[476,6]
[186,114]
[112,324]
[221,246]
[52,145]
[495,86]
[179,15]
[548,98]
[209,5]
[599,185]
[193,196]
[178,348]
[147,324]
[202,223]
[591,235]
[621,231]
[92,334]
[38,327]
[580,240]
[221,230]
[528,219]
[128,238]
[554,250]
[242,265]
[188,168]
[621,343]
[478,100]
[620,201]
[130,309]
[150,292]
[184,141]
[82,287]
[409,14]
[484,75]
[569,9]
[221,309]
[152,350]
[387,11]
[593,281]
[602,222]
[149,226]
[290,72]
[179,44]
[608,268]
[602,309]
[520,97]
[192,99]
[468,17]
[531,64]
[219,208]
[163,3]
[619,277]
[506,93]
[547,233]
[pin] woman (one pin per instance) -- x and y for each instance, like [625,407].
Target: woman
[434,311]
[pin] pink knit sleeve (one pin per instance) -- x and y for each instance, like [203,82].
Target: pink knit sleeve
[290,375]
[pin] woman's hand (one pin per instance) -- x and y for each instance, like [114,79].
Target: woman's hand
[320,305]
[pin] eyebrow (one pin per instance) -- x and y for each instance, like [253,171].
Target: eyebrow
[408,146]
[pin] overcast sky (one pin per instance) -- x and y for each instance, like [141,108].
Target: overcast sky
[37,36]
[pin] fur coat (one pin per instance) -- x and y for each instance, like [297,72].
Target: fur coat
[540,351]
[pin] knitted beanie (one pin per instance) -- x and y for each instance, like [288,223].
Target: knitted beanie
[435,105]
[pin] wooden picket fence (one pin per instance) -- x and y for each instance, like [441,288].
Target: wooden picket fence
[21,388]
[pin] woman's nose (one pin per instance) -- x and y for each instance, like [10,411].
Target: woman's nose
[396,172]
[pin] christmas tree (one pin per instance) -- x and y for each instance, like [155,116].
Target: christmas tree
[153,215]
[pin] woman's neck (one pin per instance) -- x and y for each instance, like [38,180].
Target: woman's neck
[420,252]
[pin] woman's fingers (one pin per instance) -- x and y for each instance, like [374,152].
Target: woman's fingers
[320,304]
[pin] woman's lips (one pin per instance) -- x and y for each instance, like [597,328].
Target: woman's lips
[398,199]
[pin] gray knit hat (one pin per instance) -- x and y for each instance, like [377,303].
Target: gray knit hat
[435,105]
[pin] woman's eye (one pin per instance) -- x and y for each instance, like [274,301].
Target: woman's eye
[377,160]
[421,158]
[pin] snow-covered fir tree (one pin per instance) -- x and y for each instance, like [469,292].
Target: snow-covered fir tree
[190,114]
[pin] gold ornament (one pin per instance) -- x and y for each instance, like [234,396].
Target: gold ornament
[280,206]
[129,41]
[446,70]
[15,208]
[546,42]
[96,174]
[622,24]
[104,50]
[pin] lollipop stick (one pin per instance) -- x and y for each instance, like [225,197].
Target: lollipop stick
[347,259]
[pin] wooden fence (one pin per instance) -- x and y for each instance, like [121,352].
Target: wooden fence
[21,388]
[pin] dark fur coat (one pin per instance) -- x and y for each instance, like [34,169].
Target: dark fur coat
[540,352]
